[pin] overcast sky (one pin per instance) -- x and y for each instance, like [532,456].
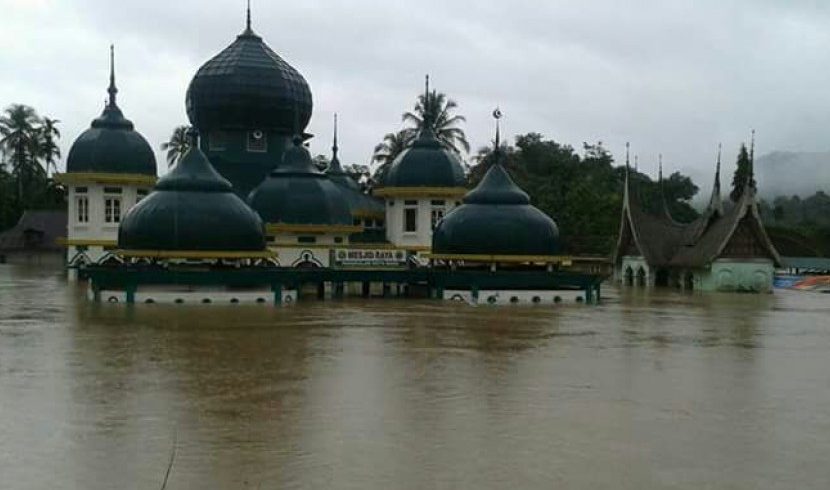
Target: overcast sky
[671,76]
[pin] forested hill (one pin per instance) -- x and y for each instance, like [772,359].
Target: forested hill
[787,173]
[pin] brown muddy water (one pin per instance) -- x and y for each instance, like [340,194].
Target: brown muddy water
[644,391]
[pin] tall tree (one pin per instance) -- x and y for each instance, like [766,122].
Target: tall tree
[386,151]
[48,134]
[18,143]
[177,146]
[743,173]
[435,111]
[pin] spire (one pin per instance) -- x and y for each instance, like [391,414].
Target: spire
[751,179]
[112,89]
[626,193]
[497,142]
[334,165]
[716,202]
[663,203]
[497,116]
[334,147]
[636,163]
[248,17]
[427,116]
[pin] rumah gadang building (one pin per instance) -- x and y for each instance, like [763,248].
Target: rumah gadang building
[722,250]
[245,216]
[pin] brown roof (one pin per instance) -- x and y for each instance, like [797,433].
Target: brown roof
[664,242]
[36,230]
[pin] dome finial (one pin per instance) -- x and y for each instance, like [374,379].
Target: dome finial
[248,17]
[497,116]
[334,147]
[112,89]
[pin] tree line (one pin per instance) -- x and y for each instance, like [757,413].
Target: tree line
[29,153]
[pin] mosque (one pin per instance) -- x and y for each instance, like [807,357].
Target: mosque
[246,217]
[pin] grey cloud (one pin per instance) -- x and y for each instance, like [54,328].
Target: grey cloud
[671,77]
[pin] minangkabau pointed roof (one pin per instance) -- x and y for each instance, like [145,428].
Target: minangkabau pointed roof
[664,242]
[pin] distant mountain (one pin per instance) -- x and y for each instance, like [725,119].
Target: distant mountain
[787,173]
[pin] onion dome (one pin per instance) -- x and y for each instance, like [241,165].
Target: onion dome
[496,218]
[192,208]
[361,204]
[248,85]
[297,193]
[111,145]
[425,164]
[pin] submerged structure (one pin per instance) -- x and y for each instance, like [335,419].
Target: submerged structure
[109,169]
[246,216]
[722,250]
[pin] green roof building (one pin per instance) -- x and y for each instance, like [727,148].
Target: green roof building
[247,103]
[192,213]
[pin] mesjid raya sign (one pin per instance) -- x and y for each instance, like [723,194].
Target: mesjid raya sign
[365,257]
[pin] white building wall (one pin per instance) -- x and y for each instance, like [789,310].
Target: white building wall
[88,240]
[422,237]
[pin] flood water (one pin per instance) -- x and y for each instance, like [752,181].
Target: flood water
[644,391]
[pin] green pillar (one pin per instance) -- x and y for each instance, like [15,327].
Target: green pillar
[589,296]
[366,289]
[439,293]
[338,290]
[130,293]
[474,293]
[598,294]
[277,289]
[96,292]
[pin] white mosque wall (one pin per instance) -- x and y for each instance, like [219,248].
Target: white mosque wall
[428,211]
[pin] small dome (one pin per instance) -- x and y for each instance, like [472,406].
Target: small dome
[360,203]
[299,194]
[111,145]
[192,208]
[496,219]
[425,164]
[247,85]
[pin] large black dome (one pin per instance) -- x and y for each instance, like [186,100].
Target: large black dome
[248,85]
[296,193]
[496,219]
[425,164]
[192,209]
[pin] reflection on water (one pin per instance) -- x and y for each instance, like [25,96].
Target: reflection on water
[645,391]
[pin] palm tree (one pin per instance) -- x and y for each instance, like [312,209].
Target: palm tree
[48,149]
[386,151]
[435,111]
[178,145]
[18,145]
